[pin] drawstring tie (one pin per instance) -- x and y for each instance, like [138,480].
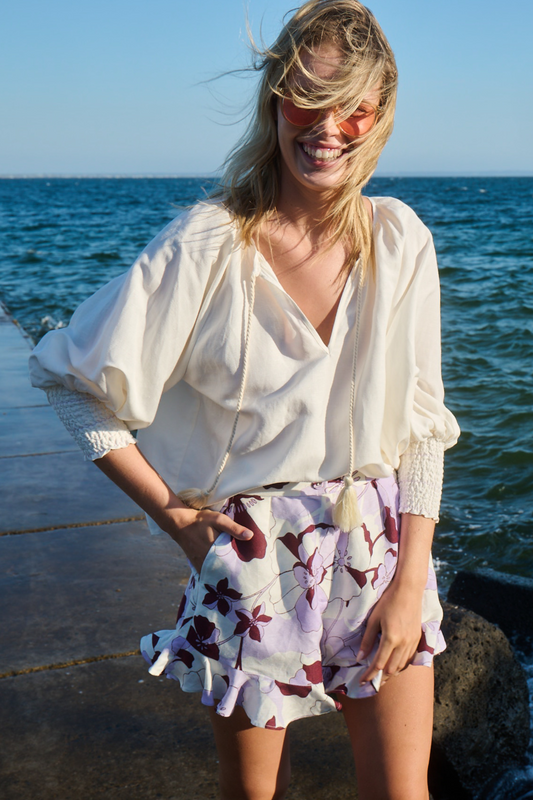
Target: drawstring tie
[199,498]
[346,512]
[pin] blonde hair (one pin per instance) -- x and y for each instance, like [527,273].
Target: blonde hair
[250,182]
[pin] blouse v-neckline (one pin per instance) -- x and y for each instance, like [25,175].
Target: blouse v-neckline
[344,297]
[347,289]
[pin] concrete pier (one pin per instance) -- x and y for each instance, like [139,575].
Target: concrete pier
[81,579]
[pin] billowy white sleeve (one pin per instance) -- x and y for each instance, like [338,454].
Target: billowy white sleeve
[431,428]
[130,342]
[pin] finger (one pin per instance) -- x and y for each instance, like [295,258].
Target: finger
[404,656]
[223,523]
[412,653]
[378,662]
[369,639]
[398,661]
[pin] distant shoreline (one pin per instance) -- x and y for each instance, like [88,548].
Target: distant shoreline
[198,176]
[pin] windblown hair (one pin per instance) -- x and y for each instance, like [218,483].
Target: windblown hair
[251,179]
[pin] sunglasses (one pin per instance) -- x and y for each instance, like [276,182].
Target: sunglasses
[357,124]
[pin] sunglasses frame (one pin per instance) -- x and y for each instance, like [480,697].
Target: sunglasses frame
[319,113]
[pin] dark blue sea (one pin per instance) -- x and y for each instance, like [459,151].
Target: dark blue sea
[60,239]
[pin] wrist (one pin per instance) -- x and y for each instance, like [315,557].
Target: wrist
[173,518]
[409,582]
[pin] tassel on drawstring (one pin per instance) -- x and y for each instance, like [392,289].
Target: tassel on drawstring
[346,513]
[195,498]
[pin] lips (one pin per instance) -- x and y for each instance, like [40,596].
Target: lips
[321,154]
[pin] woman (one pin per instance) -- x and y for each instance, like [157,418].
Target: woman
[278,350]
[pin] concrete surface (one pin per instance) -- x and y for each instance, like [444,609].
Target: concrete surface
[108,730]
[15,388]
[75,593]
[31,431]
[79,714]
[55,490]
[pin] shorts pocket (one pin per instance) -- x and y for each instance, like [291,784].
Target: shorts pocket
[211,555]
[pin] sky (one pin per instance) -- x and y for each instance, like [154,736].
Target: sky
[131,87]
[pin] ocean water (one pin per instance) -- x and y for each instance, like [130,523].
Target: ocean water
[60,239]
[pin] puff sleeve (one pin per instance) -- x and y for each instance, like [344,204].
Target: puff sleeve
[428,428]
[129,342]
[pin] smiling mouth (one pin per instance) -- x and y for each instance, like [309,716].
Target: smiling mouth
[321,153]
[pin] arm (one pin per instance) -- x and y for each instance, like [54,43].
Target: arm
[398,612]
[107,442]
[193,530]
[431,429]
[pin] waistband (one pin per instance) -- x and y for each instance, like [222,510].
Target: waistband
[298,488]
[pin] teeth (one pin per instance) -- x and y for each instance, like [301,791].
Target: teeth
[321,154]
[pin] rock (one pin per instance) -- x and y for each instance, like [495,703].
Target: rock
[506,600]
[515,784]
[481,724]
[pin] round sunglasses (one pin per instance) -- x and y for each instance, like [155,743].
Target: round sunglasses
[357,124]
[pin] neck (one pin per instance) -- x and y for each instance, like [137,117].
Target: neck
[305,209]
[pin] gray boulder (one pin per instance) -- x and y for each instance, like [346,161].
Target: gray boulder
[481,724]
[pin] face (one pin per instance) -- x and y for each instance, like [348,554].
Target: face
[315,158]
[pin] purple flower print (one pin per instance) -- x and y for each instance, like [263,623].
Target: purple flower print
[181,608]
[384,573]
[186,656]
[313,672]
[202,635]
[179,648]
[221,596]
[310,572]
[302,683]
[391,529]
[342,560]
[246,549]
[291,689]
[296,511]
[271,725]
[430,630]
[252,623]
[328,673]
[423,646]
[432,579]
[293,543]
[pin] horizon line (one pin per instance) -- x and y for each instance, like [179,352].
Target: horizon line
[213,177]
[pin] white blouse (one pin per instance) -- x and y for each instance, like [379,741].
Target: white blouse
[161,349]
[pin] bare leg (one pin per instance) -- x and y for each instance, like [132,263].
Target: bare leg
[254,763]
[391,737]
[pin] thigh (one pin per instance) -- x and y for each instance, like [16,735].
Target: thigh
[254,763]
[391,736]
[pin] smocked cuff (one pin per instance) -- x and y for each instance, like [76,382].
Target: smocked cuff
[420,478]
[94,428]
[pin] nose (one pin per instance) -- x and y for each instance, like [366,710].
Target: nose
[327,124]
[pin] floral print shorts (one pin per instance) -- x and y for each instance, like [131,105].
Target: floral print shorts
[274,624]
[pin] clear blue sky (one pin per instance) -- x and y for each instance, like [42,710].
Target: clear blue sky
[112,86]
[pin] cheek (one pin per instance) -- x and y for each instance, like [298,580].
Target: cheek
[287,133]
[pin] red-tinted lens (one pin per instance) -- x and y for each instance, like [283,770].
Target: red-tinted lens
[301,117]
[359,123]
